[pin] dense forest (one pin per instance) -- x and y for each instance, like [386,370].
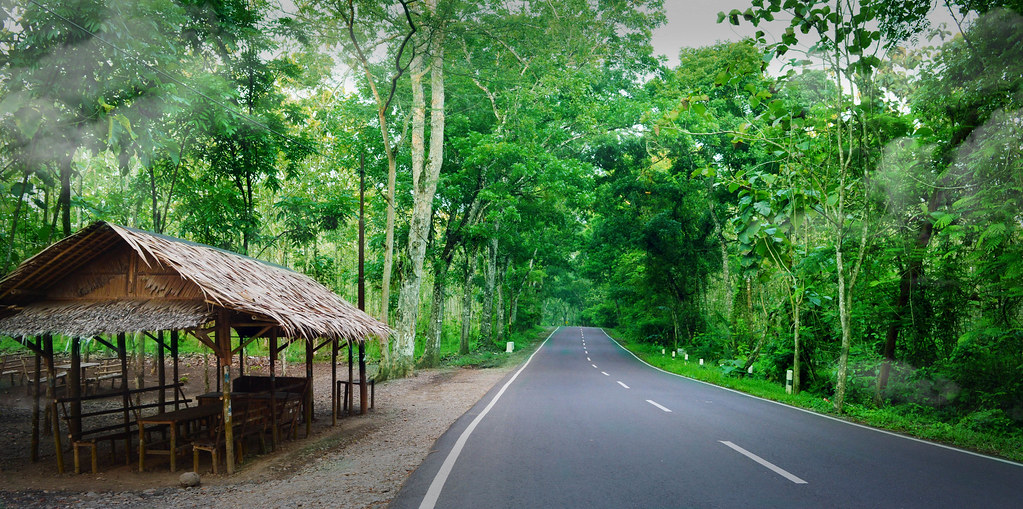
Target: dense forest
[839,196]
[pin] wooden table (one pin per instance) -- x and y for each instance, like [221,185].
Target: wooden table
[186,417]
[82,365]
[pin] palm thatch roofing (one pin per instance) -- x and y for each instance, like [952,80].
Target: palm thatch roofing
[108,279]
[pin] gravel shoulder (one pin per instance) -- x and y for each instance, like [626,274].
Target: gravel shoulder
[362,462]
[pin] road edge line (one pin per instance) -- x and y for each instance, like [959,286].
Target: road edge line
[825,416]
[433,493]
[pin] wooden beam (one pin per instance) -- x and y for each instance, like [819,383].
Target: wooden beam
[100,340]
[325,343]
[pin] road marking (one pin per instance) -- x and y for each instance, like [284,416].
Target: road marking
[623,385]
[770,466]
[594,366]
[822,416]
[588,359]
[605,373]
[433,493]
[654,403]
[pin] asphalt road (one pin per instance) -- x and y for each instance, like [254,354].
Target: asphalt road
[585,424]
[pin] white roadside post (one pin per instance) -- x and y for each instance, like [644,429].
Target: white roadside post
[701,362]
[510,347]
[788,381]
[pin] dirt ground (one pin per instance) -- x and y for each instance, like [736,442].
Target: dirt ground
[361,462]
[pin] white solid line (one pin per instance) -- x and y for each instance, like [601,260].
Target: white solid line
[770,466]
[654,403]
[605,373]
[822,416]
[623,385]
[432,494]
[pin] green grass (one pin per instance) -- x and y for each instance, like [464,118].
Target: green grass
[906,420]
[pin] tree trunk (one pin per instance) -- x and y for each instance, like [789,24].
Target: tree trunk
[424,183]
[435,328]
[463,344]
[64,202]
[907,285]
[487,313]
[795,345]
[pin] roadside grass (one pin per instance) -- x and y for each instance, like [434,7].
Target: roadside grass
[482,358]
[908,420]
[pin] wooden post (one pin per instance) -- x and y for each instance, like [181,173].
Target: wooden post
[309,387]
[161,372]
[333,382]
[34,453]
[51,393]
[276,434]
[350,393]
[223,340]
[174,356]
[241,356]
[363,403]
[122,353]
[74,380]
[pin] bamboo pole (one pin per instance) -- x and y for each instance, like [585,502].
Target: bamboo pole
[122,354]
[34,453]
[309,387]
[333,382]
[161,371]
[276,434]
[51,394]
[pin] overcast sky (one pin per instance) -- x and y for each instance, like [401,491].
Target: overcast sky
[693,23]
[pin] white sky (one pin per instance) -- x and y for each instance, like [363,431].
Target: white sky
[693,23]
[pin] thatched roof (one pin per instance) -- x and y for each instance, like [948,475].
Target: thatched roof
[179,287]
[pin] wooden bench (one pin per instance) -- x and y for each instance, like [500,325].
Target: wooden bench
[111,433]
[11,367]
[108,369]
[29,375]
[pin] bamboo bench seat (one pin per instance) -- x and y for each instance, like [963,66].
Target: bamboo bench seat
[112,433]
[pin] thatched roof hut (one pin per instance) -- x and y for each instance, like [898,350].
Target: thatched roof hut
[109,279]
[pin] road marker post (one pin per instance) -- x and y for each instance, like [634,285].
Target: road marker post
[510,347]
[701,362]
[788,381]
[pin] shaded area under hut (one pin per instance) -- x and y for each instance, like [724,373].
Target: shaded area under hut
[107,281]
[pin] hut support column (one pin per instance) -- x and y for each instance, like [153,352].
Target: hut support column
[74,380]
[363,404]
[333,382]
[309,390]
[224,357]
[34,452]
[161,371]
[122,354]
[276,433]
[51,390]
[174,356]
[350,393]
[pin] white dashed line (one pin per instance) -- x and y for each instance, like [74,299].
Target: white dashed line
[605,373]
[770,466]
[654,403]
[594,366]
[623,385]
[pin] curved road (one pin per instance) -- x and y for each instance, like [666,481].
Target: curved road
[585,424]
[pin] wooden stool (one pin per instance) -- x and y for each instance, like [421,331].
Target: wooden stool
[91,445]
[344,398]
